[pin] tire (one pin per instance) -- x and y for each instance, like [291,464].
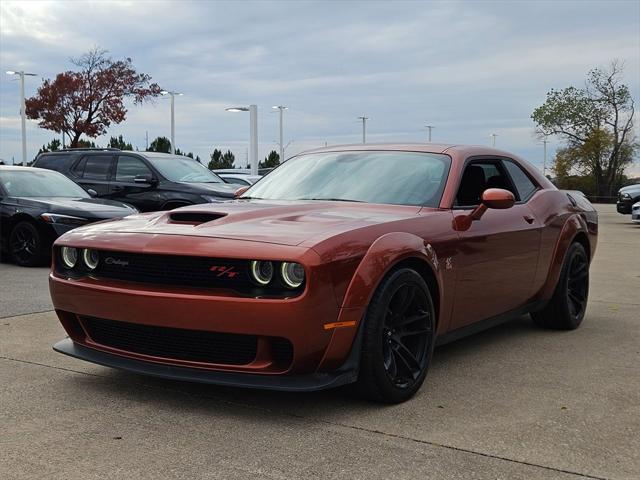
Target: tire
[396,352]
[567,307]
[26,245]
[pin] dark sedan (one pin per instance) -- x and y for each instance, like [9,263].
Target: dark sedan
[37,206]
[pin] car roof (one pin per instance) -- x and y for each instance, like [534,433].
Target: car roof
[414,147]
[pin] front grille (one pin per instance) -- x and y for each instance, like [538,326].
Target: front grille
[173,343]
[174,270]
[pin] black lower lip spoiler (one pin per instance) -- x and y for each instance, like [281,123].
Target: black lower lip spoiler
[289,383]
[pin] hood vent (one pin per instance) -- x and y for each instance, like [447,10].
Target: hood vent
[194,218]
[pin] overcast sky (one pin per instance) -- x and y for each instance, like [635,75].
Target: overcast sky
[468,68]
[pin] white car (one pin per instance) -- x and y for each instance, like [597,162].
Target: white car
[635,213]
[239,178]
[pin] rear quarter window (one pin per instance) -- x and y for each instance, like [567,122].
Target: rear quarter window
[524,185]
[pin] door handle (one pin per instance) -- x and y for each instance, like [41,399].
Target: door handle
[529,219]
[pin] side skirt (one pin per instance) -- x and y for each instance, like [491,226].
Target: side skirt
[491,322]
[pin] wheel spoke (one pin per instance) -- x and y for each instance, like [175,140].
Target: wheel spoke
[409,319]
[411,333]
[407,357]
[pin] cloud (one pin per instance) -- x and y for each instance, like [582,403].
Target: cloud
[470,68]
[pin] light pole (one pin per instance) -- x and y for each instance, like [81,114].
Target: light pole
[544,161]
[23,117]
[429,127]
[493,139]
[281,109]
[253,133]
[173,118]
[364,128]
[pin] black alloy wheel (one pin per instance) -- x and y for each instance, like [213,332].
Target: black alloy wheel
[406,331]
[25,244]
[566,309]
[398,338]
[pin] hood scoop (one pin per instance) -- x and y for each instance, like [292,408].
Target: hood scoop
[195,218]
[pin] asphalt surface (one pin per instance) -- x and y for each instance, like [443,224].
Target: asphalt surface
[514,402]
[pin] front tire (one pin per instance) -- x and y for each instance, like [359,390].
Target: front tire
[567,307]
[398,338]
[26,245]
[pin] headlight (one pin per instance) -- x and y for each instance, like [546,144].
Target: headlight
[69,256]
[625,195]
[91,258]
[63,219]
[211,199]
[261,271]
[292,274]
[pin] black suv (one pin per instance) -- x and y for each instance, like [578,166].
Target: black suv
[147,180]
[627,196]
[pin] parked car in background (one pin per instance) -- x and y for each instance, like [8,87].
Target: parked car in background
[627,196]
[344,265]
[240,178]
[149,181]
[635,213]
[37,206]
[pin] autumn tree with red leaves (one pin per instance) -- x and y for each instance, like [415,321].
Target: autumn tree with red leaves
[88,101]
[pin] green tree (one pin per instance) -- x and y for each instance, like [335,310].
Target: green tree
[86,144]
[270,161]
[53,146]
[118,142]
[160,144]
[219,160]
[596,123]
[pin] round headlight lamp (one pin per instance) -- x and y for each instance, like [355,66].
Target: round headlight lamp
[69,256]
[292,274]
[91,258]
[261,271]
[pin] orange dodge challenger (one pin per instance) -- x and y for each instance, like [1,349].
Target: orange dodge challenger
[345,264]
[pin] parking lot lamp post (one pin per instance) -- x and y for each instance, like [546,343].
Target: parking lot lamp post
[23,117]
[173,118]
[281,109]
[544,160]
[253,134]
[364,128]
[493,139]
[429,127]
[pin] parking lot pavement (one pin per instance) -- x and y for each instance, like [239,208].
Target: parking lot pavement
[23,290]
[512,402]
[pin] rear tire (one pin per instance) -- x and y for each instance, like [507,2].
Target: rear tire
[567,307]
[26,245]
[398,338]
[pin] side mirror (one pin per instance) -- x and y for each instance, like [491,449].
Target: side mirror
[498,198]
[240,191]
[92,192]
[148,179]
[495,198]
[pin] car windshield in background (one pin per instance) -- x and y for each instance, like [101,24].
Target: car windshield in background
[398,178]
[184,169]
[34,183]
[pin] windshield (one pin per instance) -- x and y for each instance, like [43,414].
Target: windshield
[399,178]
[39,183]
[184,169]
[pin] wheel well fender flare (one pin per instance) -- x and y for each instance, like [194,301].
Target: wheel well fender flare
[384,254]
[574,229]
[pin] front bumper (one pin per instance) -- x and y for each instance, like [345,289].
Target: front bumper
[624,206]
[348,373]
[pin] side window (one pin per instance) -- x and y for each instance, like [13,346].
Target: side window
[523,183]
[476,178]
[97,167]
[78,168]
[129,167]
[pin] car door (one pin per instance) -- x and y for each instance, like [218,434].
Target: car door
[135,183]
[93,172]
[498,253]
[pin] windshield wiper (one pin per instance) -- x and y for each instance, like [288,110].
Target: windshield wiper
[334,200]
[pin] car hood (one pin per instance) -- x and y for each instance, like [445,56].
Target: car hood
[279,222]
[83,207]
[224,190]
[629,188]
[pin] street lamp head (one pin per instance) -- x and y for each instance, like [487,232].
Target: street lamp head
[11,72]
[167,92]
[164,92]
[280,107]
[237,109]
